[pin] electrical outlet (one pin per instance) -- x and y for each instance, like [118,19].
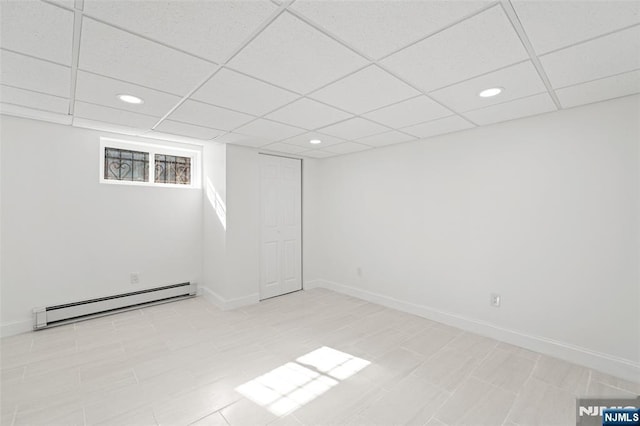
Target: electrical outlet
[495,300]
[135,278]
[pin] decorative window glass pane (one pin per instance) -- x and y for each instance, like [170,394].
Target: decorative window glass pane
[123,164]
[173,169]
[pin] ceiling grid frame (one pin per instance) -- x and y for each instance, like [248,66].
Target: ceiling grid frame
[75,52]
[524,38]
[599,78]
[587,40]
[371,61]
[508,8]
[128,31]
[281,9]
[376,62]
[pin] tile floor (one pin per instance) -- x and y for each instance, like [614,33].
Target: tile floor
[312,357]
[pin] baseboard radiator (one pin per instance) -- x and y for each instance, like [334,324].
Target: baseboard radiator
[51,316]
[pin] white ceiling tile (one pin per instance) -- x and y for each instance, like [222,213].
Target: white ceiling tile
[211,29]
[269,130]
[517,81]
[317,153]
[69,4]
[477,45]
[387,138]
[37,28]
[295,56]
[113,116]
[602,57]
[365,90]
[308,114]
[554,24]
[439,127]
[245,140]
[36,114]
[33,74]
[104,91]
[600,90]
[206,115]
[303,140]
[359,23]
[236,91]
[524,107]
[406,113]
[27,98]
[234,137]
[285,148]
[354,128]
[108,51]
[107,127]
[346,148]
[188,130]
[152,134]
[250,141]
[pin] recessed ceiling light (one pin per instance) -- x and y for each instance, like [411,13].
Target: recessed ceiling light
[130,99]
[315,141]
[487,93]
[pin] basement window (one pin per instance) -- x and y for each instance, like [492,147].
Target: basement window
[135,163]
[124,164]
[173,169]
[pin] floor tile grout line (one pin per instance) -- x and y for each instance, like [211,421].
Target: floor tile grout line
[15,414]
[223,417]
[133,370]
[520,390]
[253,315]
[612,386]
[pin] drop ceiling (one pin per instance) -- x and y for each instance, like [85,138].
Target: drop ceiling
[273,75]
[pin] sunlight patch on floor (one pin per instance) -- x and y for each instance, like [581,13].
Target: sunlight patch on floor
[294,384]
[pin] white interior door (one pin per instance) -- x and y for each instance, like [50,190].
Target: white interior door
[281,226]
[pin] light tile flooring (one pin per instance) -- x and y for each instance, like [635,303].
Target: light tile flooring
[312,357]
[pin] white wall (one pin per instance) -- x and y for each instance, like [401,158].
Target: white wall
[312,209]
[243,226]
[236,277]
[214,165]
[543,211]
[66,237]
[232,251]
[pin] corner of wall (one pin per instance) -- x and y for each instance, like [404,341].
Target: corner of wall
[229,304]
[16,327]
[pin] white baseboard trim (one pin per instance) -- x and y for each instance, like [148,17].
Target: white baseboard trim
[15,327]
[623,368]
[228,304]
[19,327]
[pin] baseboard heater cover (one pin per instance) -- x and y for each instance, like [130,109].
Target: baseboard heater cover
[51,316]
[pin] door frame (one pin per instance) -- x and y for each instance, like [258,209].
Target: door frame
[260,298]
